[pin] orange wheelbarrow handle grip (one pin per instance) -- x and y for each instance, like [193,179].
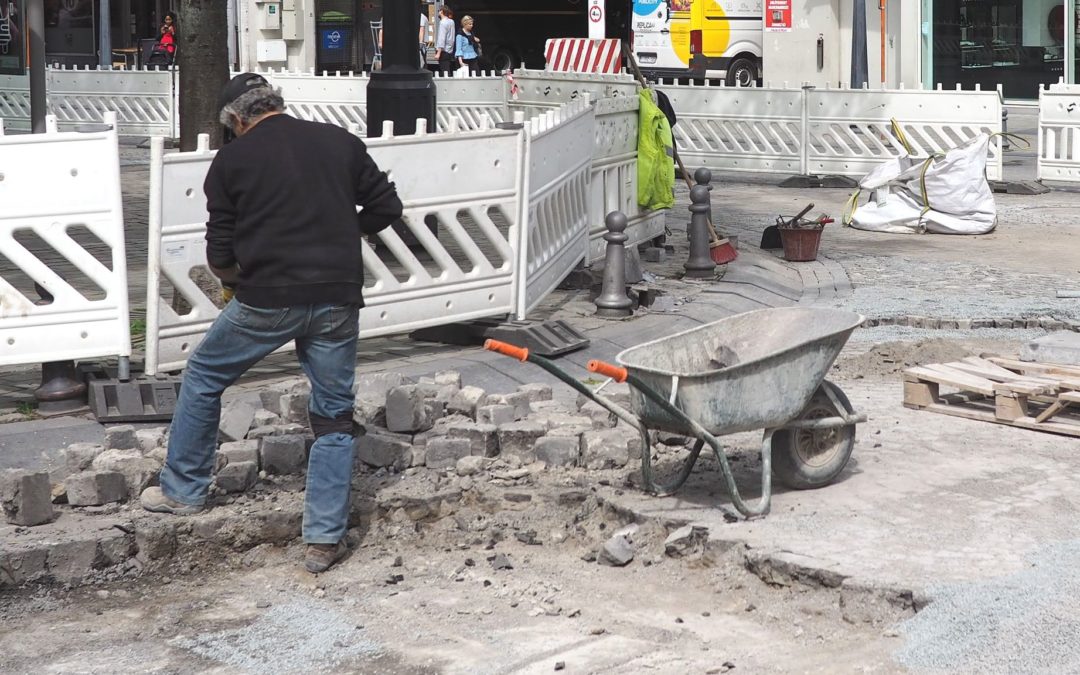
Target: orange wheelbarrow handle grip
[506,349]
[607,370]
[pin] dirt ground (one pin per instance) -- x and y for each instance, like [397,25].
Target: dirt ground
[426,597]
[431,601]
[926,499]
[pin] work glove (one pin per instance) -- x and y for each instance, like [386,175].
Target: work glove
[228,291]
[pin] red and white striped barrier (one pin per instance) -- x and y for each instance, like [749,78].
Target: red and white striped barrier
[580,55]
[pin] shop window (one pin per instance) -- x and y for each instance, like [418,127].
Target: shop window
[1017,44]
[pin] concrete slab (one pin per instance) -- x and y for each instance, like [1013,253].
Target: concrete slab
[926,499]
[1062,347]
[34,444]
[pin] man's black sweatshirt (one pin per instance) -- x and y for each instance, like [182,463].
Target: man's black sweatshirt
[282,200]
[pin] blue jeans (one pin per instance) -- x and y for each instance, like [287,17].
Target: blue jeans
[242,335]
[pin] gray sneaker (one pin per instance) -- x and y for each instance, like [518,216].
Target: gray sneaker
[153,499]
[320,557]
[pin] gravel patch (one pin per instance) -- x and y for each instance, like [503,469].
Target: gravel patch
[944,303]
[880,334]
[287,638]
[1026,622]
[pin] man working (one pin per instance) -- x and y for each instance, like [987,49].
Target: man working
[284,230]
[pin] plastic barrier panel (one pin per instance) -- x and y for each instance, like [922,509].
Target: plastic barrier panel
[336,99]
[613,179]
[450,260]
[557,184]
[1059,134]
[63,275]
[845,132]
[849,131]
[142,99]
[15,102]
[743,130]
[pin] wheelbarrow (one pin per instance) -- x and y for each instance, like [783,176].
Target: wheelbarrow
[764,369]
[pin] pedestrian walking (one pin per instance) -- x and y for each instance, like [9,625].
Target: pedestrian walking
[423,39]
[468,46]
[285,234]
[445,40]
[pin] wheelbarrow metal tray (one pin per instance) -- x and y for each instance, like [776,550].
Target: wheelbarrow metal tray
[777,359]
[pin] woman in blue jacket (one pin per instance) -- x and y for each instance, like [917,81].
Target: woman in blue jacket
[468,46]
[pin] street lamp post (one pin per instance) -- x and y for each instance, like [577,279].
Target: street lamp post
[403,90]
[35,23]
[104,34]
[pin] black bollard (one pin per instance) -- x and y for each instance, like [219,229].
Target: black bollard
[613,300]
[61,391]
[700,265]
[703,177]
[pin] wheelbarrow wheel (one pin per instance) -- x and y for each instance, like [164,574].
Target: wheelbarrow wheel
[804,459]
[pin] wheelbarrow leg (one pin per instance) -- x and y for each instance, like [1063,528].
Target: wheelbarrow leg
[665,489]
[699,432]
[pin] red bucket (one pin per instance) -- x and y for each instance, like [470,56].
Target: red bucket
[801,243]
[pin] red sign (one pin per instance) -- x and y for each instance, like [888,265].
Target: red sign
[596,13]
[777,16]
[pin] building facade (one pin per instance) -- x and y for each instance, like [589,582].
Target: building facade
[1019,45]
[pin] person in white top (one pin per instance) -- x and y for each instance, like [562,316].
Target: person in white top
[422,39]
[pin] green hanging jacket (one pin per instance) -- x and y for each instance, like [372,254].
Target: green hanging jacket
[655,163]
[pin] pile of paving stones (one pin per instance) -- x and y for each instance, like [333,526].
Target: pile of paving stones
[434,423]
[439,424]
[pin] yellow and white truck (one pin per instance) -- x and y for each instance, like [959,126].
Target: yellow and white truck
[699,39]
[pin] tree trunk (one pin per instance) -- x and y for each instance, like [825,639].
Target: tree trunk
[202,57]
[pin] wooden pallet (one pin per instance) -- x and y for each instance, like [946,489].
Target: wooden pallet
[1039,396]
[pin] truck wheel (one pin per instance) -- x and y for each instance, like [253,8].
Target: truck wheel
[502,59]
[742,72]
[804,459]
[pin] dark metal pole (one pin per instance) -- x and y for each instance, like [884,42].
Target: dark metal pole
[860,69]
[35,23]
[104,34]
[401,92]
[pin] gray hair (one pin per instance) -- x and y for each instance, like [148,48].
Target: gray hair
[253,104]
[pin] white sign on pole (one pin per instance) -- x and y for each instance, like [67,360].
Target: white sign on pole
[596,20]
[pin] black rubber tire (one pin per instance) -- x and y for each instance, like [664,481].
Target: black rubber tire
[503,59]
[804,459]
[741,72]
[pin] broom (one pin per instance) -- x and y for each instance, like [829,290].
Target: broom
[720,249]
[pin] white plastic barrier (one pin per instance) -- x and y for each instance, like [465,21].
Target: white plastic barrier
[470,99]
[60,198]
[613,179]
[745,130]
[1059,134]
[537,91]
[465,272]
[334,99]
[613,183]
[147,101]
[849,130]
[15,102]
[557,187]
[844,132]
[142,99]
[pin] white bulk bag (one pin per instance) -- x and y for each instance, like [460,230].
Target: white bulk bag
[941,194]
